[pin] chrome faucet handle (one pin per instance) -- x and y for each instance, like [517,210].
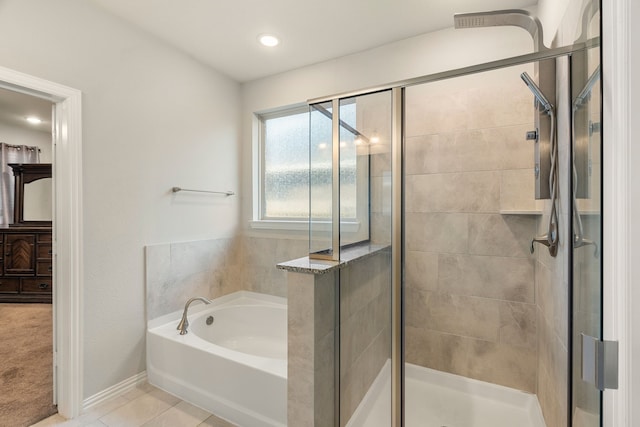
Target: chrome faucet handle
[579,242]
[184,322]
[544,239]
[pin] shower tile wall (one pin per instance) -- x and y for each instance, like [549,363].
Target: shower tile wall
[470,288]
[176,272]
[365,320]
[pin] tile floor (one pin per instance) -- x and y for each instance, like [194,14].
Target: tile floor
[144,406]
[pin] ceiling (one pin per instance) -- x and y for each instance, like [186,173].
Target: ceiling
[223,34]
[15,107]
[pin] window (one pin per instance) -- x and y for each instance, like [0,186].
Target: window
[283,170]
[285,165]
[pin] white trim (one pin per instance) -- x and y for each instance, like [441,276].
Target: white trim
[67,226]
[114,391]
[618,404]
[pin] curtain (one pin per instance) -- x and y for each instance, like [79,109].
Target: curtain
[12,154]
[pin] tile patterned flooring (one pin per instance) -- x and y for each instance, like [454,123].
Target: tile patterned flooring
[144,406]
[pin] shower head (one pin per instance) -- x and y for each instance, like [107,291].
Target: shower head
[498,18]
[543,102]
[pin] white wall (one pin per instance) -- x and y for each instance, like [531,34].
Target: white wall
[152,118]
[427,54]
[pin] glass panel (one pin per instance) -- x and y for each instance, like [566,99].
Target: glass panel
[481,310]
[365,284]
[286,166]
[320,179]
[587,227]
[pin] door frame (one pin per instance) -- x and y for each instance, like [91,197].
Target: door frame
[621,319]
[67,232]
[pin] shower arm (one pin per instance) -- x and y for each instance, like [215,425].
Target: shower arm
[507,17]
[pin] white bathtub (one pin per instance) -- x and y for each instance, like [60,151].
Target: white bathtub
[235,368]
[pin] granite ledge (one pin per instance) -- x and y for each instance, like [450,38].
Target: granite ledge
[348,256]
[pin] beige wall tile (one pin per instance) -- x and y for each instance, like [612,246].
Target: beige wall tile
[434,113]
[518,325]
[503,364]
[453,192]
[453,314]
[500,235]
[356,381]
[518,109]
[437,232]
[422,153]
[437,350]
[300,396]
[380,163]
[421,270]
[517,191]
[483,150]
[504,278]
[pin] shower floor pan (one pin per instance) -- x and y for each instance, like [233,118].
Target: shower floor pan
[436,399]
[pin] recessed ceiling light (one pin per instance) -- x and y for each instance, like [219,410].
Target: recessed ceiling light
[268,40]
[34,120]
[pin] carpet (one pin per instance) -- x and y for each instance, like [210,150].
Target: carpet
[26,358]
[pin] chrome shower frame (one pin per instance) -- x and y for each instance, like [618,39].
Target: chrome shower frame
[397,236]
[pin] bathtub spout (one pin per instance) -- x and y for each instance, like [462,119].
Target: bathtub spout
[184,323]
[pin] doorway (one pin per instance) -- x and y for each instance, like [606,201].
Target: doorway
[26,282]
[67,238]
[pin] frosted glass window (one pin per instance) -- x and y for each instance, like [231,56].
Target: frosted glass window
[286,137]
[285,179]
[348,165]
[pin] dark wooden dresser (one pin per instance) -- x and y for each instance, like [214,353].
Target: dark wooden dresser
[25,265]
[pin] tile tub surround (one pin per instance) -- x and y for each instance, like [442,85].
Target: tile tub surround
[211,268]
[176,272]
[469,277]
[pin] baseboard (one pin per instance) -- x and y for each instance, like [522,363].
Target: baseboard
[114,391]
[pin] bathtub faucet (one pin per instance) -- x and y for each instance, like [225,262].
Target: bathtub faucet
[184,323]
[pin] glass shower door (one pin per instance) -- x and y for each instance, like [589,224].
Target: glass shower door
[486,310]
[587,237]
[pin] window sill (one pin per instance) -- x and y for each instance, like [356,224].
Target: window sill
[265,224]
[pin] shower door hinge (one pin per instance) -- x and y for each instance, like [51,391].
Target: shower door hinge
[600,362]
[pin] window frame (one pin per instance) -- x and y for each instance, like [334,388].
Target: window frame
[259,220]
